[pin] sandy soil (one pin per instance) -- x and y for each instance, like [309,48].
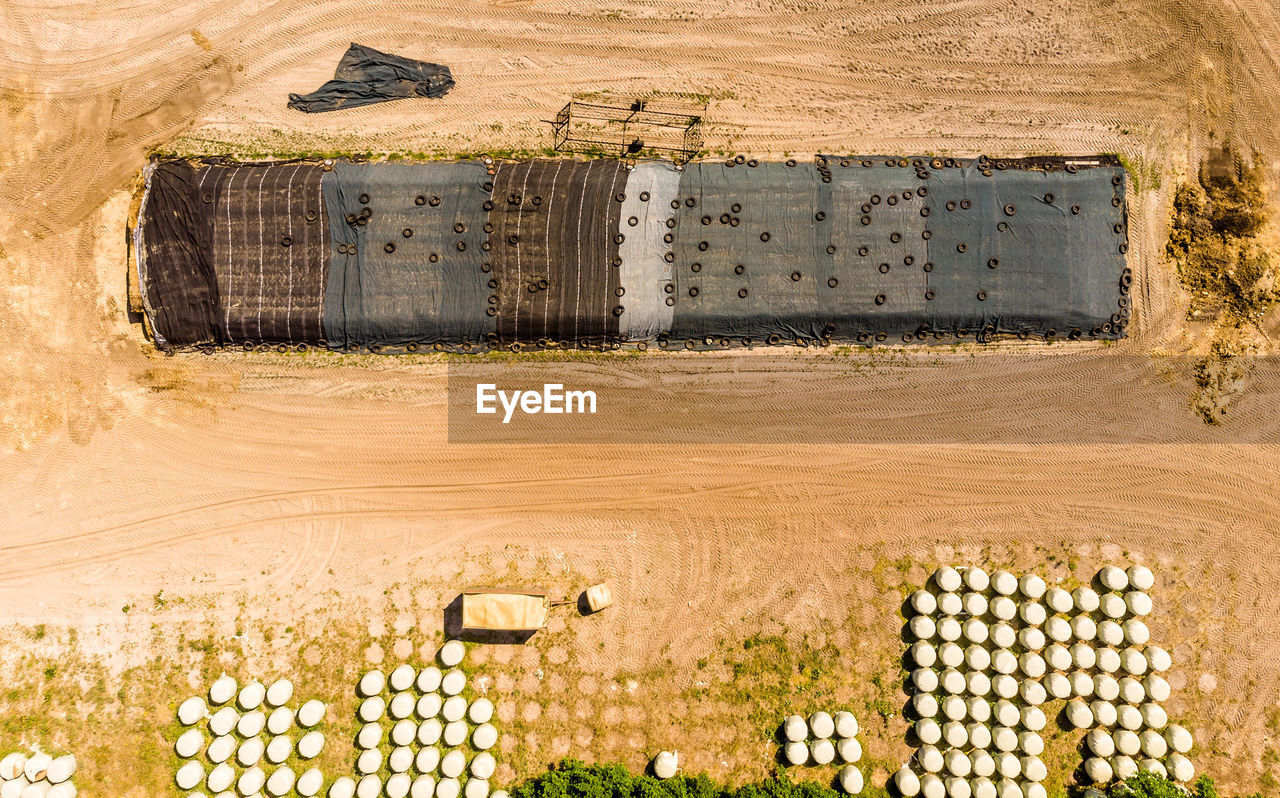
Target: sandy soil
[294,485]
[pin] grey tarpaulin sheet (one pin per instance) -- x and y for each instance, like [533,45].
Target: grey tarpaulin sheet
[860,250]
[645,272]
[408,259]
[365,76]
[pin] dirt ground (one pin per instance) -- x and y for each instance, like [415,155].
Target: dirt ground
[307,515]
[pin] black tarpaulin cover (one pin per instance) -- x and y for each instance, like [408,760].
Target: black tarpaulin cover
[366,76]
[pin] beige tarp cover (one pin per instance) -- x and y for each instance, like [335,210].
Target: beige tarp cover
[504,609]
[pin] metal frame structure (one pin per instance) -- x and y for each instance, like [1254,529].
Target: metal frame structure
[627,127]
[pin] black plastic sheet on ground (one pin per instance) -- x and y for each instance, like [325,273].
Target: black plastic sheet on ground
[366,76]
[408,258]
[234,254]
[555,250]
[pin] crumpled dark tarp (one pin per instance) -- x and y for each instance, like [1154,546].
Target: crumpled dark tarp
[366,76]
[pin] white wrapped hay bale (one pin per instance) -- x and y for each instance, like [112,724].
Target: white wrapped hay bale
[1033,769]
[223,722]
[1110,633]
[925,705]
[1058,629]
[192,711]
[1127,743]
[1138,603]
[1032,718]
[1032,613]
[947,579]
[222,690]
[452,764]
[1031,664]
[984,764]
[1002,635]
[823,752]
[1153,745]
[958,788]
[12,766]
[1098,770]
[949,604]
[954,707]
[279,693]
[483,765]
[1133,661]
[849,749]
[451,653]
[369,736]
[821,725]
[279,749]
[1031,586]
[923,602]
[1033,693]
[251,724]
[1003,608]
[1008,765]
[480,711]
[1003,661]
[1030,743]
[1084,656]
[1004,583]
[250,752]
[67,789]
[949,629]
[280,720]
[1081,684]
[343,787]
[281,781]
[1079,714]
[428,706]
[370,786]
[977,658]
[221,778]
[1035,790]
[978,683]
[454,733]
[1140,577]
[1157,687]
[908,783]
[401,706]
[369,762]
[310,783]
[932,787]
[252,695]
[1004,739]
[1104,713]
[188,776]
[976,631]
[453,709]
[310,713]
[846,724]
[476,788]
[1058,685]
[850,779]
[251,781]
[1112,578]
[1031,638]
[423,787]
[484,737]
[930,759]
[429,679]
[795,729]
[1153,715]
[957,763]
[1108,660]
[404,731]
[1180,768]
[1083,628]
[311,744]
[975,604]
[1058,600]
[1106,687]
[61,769]
[402,678]
[953,681]
[1113,606]
[1124,767]
[955,734]
[427,760]
[666,764]
[1154,766]
[983,787]
[951,655]
[1132,691]
[400,759]
[923,654]
[1100,743]
[1004,685]
[189,743]
[1178,738]
[1085,599]
[372,709]
[796,753]
[453,682]
[1158,659]
[1128,717]
[221,749]
[979,737]
[397,786]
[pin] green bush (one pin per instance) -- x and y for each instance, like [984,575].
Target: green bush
[571,778]
[1151,785]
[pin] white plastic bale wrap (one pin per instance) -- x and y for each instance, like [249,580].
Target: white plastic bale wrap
[850,779]
[949,629]
[978,683]
[1079,714]
[907,782]
[222,722]
[958,788]
[454,733]
[950,604]
[976,630]
[925,705]
[1108,660]
[429,679]
[1004,583]
[369,736]
[932,787]
[797,753]
[476,788]
[310,782]
[1113,606]
[252,695]
[850,749]
[280,720]
[983,787]
[954,707]
[1081,684]
[1002,635]
[370,786]
[483,765]
[427,760]
[1112,578]
[1085,599]
[189,776]
[1098,770]
[957,763]
[1127,743]
[279,693]
[923,602]
[221,749]
[983,763]
[665,765]
[452,764]
[222,690]
[192,711]
[342,787]
[1178,738]
[1110,633]
[311,744]
[1031,586]
[1058,685]
[279,749]
[1158,659]
[251,723]
[978,708]
[1106,687]
[1154,766]
[428,706]
[955,734]
[1033,769]
[453,682]
[821,725]
[250,752]
[221,778]
[1153,715]
[1084,628]
[251,781]
[311,713]
[423,787]
[1100,743]
[401,705]
[1006,714]
[1004,608]
[923,654]
[951,654]
[451,653]
[979,736]
[1180,768]
[1132,691]
[846,724]
[1058,629]
[1157,687]
[1138,603]
[281,781]
[947,579]
[1128,717]
[454,708]
[1030,743]
[189,743]
[823,752]
[369,762]
[402,677]
[480,711]
[1153,745]
[400,759]
[372,709]
[1004,661]
[930,759]
[1124,766]
[1104,712]
[1031,638]
[977,658]
[484,737]
[1008,765]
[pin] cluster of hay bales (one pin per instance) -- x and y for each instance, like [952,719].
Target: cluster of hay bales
[37,775]
[408,716]
[823,738]
[989,650]
[250,742]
